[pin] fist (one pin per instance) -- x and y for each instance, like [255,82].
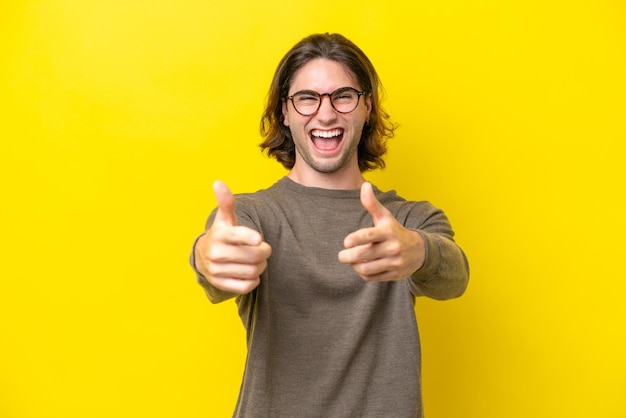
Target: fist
[388,251]
[229,256]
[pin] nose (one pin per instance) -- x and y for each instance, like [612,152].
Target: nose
[326,112]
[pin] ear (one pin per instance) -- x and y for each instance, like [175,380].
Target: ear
[285,113]
[368,106]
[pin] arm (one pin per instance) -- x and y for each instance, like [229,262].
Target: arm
[422,250]
[445,272]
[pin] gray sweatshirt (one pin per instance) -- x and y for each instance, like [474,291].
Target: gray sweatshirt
[321,341]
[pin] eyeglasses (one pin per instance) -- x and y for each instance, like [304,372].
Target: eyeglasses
[343,100]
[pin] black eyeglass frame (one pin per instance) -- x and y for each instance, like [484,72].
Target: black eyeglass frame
[330,97]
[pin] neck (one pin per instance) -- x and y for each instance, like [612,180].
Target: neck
[350,180]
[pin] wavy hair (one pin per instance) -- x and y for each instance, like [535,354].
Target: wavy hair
[278,142]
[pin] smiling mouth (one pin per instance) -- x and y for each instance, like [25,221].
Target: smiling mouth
[327,140]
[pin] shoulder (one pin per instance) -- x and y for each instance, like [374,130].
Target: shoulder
[394,202]
[260,198]
[256,208]
[411,213]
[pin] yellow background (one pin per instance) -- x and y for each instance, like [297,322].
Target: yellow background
[116,116]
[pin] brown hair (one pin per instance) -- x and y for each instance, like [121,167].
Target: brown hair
[277,137]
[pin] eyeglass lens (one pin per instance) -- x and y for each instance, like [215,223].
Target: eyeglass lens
[343,100]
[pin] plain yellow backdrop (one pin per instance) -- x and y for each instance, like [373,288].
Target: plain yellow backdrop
[117,116]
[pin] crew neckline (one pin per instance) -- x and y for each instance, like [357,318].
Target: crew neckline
[319,191]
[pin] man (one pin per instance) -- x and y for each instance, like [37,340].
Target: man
[325,267]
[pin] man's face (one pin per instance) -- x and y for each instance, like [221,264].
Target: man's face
[326,141]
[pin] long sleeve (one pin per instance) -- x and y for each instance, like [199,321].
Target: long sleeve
[445,272]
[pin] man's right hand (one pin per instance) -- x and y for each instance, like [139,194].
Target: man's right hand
[229,256]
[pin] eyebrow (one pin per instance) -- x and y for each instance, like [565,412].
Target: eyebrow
[322,94]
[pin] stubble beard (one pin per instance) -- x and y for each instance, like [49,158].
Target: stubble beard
[328,165]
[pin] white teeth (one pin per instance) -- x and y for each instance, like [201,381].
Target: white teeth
[327,134]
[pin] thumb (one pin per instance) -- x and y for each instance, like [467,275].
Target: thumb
[371,204]
[225,203]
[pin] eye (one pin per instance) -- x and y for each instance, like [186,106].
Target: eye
[306,97]
[345,94]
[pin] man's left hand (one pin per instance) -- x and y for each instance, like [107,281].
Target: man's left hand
[387,251]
